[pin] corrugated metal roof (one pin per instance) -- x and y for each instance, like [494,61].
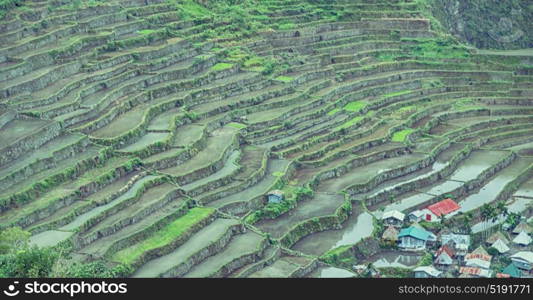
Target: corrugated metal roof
[444,207]
[415,232]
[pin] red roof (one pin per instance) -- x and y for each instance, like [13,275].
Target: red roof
[443,207]
[470,270]
[446,249]
[478,256]
[502,275]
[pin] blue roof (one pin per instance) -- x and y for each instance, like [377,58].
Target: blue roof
[415,232]
[512,270]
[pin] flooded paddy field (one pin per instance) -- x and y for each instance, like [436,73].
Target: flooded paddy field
[358,226]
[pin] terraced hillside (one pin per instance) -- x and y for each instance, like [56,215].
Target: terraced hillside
[147,132]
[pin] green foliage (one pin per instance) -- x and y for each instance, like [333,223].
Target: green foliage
[335,255]
[513,219]
[13,239]
[400,136]
[145,31]
[30,262]
[286,26]
[292,194]
[395,94]
[333,111]
[284,78]
[165,235]
[96,269]
[349,123]
[253,217]
[431,226]
[200,59]
[387,57]
[355,106]
[131,164]
[190,9]
[221,66]
[237,125]
[237,54]
[492,251]
[7,5]
[191,115]
[268,67]
[431,48]
[465,104]
[426,260]
[253,62]
[265,65]
[273,210]
[378,229]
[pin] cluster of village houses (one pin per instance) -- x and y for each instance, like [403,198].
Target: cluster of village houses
[452,253]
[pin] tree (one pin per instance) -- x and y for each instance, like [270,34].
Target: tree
[28,263]
[467,218]
[502,208]
[493,217]
[13,239]
[493,251]
[96,269]
[486,214]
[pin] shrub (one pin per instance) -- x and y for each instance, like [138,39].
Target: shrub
[31,262]
[492,251]
[13,240]
[97,269]
[426,260]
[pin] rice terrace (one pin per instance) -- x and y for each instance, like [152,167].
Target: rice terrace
[265,138]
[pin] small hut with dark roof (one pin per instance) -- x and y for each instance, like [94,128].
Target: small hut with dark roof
[275,196]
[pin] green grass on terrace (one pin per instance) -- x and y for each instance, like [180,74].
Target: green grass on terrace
[286,26]
[285,78]
[354,106]
[432,48]
[350,123]
[253,62]
[394,94]
[237,125]
[333,111]
[401,135]
[236,54]
[164,236]
[191,9]
[336,254]
[145,31]
[221,66]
